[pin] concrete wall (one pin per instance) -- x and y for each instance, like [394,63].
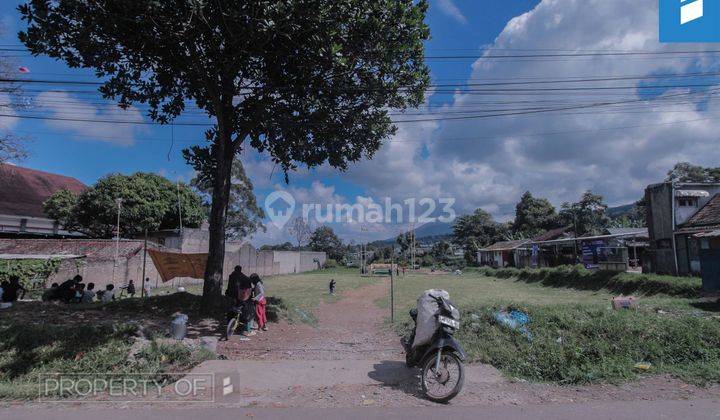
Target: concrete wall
[272,263]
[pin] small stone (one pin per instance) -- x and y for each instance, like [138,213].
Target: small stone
[367,402]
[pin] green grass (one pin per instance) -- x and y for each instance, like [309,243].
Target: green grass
[28,352]
[577,337]
[296,296]
[580,344]
[577,277]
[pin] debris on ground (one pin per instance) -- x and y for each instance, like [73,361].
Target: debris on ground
[624,302]
[643,366]
[515,320]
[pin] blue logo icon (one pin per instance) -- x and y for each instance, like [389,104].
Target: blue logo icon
[689,21]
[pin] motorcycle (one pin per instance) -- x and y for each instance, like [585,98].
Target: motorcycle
[441,359]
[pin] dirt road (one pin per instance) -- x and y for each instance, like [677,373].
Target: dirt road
[352,328]
[352,359]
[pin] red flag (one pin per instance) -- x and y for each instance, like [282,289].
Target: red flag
[23,69]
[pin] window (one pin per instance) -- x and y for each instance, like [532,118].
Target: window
[688,202]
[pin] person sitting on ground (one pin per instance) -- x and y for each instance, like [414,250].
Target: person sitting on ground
[12,289]
[146,286]
[66,290]
[131,288]
[108,294]
[79,292]
[49,294]
[332,286]
[88,293]
[260,302]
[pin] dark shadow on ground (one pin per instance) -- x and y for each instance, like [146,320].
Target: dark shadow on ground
[708,306]
[396,375]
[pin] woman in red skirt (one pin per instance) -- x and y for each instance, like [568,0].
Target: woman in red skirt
[260,302]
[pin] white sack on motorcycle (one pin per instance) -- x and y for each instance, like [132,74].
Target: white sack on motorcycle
[427,308]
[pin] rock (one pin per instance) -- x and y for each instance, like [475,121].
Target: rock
[367,402]
[475,317]
[209,343]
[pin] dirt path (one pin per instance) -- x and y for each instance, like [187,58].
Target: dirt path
[352,328]
[352,359]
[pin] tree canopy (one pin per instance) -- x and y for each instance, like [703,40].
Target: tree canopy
[534,216]
[244,216]
[308,81]
[149,201]
[474,231]
[587,216]
[324,239]
[687,172]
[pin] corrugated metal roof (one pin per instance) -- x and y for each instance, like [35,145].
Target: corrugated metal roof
[506,245]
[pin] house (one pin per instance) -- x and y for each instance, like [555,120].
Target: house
[676,213]
[22,193]
[501,254]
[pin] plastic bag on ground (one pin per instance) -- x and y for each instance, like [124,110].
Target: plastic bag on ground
[515,320]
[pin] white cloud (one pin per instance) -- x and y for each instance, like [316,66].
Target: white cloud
[490,162]
[66,109]
[450,8]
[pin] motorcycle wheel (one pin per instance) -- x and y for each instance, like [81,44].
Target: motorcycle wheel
[444,385]
[231,327]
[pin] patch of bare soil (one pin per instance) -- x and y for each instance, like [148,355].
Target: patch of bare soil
[349,329]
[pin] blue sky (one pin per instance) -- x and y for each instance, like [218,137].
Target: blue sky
[480,163]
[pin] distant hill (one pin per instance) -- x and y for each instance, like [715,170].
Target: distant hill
[620,211]
[427,233]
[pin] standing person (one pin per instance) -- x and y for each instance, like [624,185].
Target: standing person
[146,286]
[131,288]
[332,286]
[236,282]
[260,302]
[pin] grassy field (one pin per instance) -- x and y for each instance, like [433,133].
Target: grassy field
[300,294]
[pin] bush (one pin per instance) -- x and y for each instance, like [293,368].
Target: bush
[331,263]
[578,277]
[575,344]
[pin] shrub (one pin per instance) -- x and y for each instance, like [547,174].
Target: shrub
[578,277]
[331,263]
[577,344]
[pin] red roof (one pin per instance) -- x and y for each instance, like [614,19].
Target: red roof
[93,249]
[708,215]
[23,190]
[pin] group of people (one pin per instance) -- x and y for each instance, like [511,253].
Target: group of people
[10,290]
[247,294]
[75,291]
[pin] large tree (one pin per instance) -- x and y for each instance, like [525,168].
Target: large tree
[587,216]
[324,239]
[474,231]
[687,172]
[149,202]
[309,81]
[533,216]
[244,215]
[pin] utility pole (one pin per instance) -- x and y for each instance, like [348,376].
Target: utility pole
[177,183]
[392,287]
[118,201]
[142,281]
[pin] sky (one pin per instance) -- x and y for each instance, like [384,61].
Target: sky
[649,119]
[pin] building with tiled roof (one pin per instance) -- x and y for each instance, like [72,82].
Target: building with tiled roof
[22,193]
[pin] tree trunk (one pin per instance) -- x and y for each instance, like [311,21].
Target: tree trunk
[213,281]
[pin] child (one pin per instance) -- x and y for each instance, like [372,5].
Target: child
[88,294]
[332,286]
[131,288]
[260,302]
[109,293]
